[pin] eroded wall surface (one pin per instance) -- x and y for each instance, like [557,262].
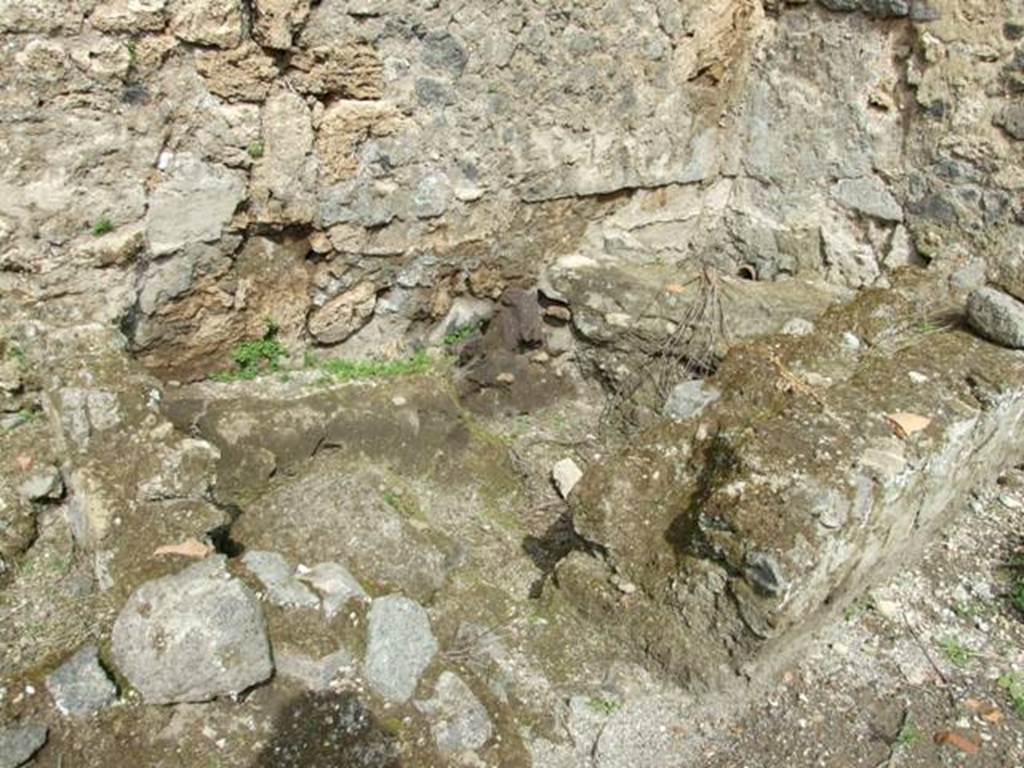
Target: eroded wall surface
[349,168]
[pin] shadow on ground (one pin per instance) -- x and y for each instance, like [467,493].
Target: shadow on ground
[329,730]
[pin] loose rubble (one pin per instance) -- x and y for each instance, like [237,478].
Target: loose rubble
[997,316]
[462,722]
[335,584]
[399,647]
[566,474]
[80,686]
[279,580]
[19,742]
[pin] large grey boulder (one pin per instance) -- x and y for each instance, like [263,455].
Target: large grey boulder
[19,742]
[460,721]
[400,647]
[192,636]
[80,686]
[997,316]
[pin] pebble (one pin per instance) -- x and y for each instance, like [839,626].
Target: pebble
[19,742]
[278,579]
[624,586]
[80,687]
[336,585]
[889,609]
[45,485]
[1010,502]
[558,312]
[399,647]
[566,474]
[798,326]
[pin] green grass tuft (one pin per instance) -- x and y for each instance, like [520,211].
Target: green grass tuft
[102,227]
[908,736]
[604,707]
[353,370]
[958,654]
[459,335]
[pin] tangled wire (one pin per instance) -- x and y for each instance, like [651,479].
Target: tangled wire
[688,352]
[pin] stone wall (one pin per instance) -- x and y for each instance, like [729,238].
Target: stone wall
[348,168]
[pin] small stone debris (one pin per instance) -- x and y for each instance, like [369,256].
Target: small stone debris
[314,674]
[400,646]
[44,485]
[335,584]
[997,317]
[851,341]
[460,722]
[798,326]
[689,399]
[624,586]
[1010,502]
[465,312]
[279,581]
[19,742]
[558,312]
[80,687]
[566,474]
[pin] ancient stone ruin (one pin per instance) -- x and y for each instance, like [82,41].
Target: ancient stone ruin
[505,383]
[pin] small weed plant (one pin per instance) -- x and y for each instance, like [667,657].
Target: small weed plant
[1013,684]
[255,357]
[102,227]
[459,335]
[908,736]
[958,654]
[603,707]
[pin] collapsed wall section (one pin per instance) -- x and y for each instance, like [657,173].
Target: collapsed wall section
[826,463]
